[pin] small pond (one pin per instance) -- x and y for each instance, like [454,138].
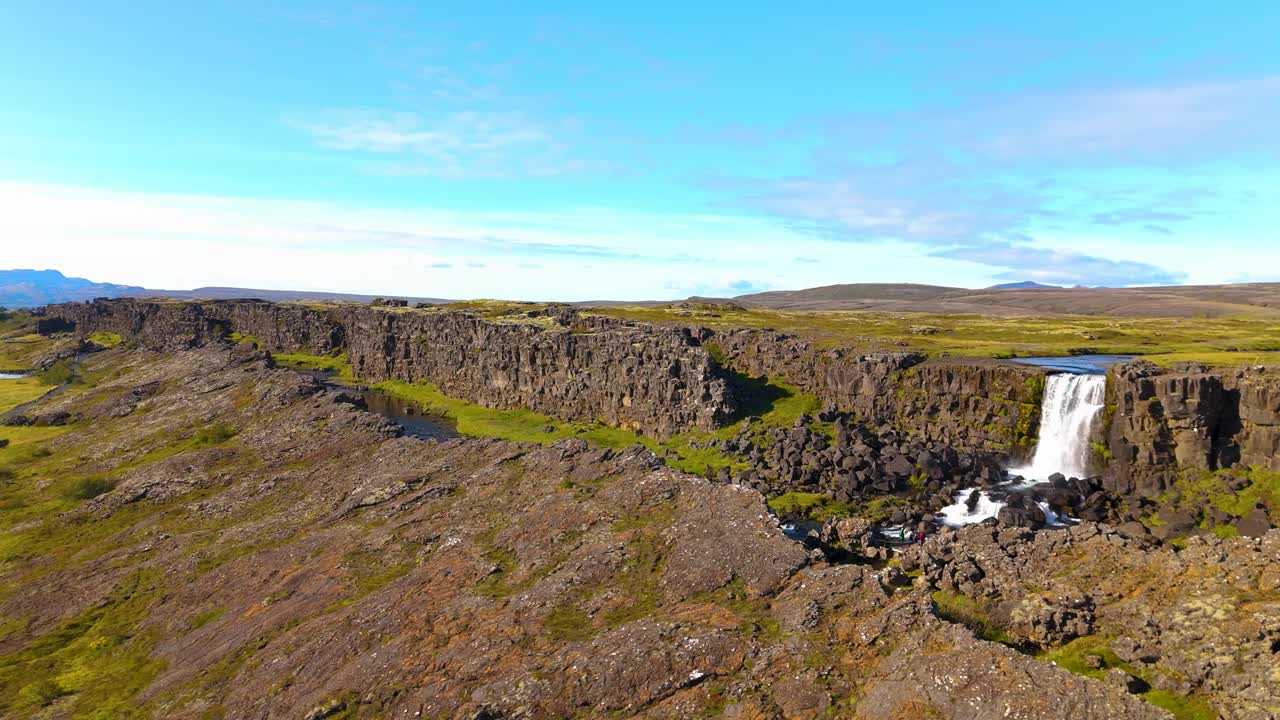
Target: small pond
[1078,364]
[410,417]
[407,415]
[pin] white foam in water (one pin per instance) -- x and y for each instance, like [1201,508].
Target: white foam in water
[957,514]
[10,376]
[1067,415]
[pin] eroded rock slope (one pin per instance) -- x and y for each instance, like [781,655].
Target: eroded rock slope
[204,535]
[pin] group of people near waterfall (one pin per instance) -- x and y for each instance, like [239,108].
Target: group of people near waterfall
[906,535]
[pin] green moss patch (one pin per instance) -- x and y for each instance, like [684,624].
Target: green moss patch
[300,361]
[964,610]
[98,661]
[105,339]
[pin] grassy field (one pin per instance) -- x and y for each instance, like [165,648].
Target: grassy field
[1232,340]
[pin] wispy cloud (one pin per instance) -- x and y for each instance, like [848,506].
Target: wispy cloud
[1061,267]
[1202,119]
[982,181]
[454,144]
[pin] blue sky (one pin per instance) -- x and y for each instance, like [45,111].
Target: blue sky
[579,150]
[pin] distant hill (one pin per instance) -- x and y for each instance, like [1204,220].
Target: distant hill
[32,288]
[1026,285]
[1174,301]
[29,288]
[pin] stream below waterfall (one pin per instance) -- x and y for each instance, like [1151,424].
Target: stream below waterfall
[1074,397]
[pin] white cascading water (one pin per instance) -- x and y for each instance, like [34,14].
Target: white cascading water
[1071,406]
[1068,412]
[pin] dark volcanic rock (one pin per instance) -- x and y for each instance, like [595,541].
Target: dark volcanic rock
[306,561]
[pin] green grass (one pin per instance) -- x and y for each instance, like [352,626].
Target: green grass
[368,572]
[820,506]
[22,390]
[519,425]
[25,444]
[206,617]
[1182,707]
[98,661]
[567,624]
[236,337]
[815,506]
[1199,490]
[105,339]
[966,611]
[1071,657]
[326,363]
[57,374]
[1230,340]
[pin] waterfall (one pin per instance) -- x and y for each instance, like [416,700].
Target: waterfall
[1070,408]
[1068,413]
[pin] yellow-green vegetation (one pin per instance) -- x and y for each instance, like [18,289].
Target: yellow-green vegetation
[1231,340]
[371,571]
[519,424]
[211,615]
[99,657]
[1182,707]
[236,337]
[1072,657]
[105,339]
[966,611]
[820,506]
[22,390]
[815,506]
[1197,490]
[57,373]
[324,363]
[567,623]
[753,614]
[29,522]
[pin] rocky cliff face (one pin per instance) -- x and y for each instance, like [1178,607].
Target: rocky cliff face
[654,379]
[658,380]
[154,325]
[1162,422]
[971,404]
[176,325]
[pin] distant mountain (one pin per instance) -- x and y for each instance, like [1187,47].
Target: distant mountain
[32,288]
[235,293]
[1025,285]
[29,288]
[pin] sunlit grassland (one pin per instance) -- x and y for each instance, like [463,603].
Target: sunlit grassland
[1232,340]
[16,392]
[336,364]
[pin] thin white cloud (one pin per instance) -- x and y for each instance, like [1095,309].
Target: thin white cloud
[452,144]
[1061,266]
[1126,123]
